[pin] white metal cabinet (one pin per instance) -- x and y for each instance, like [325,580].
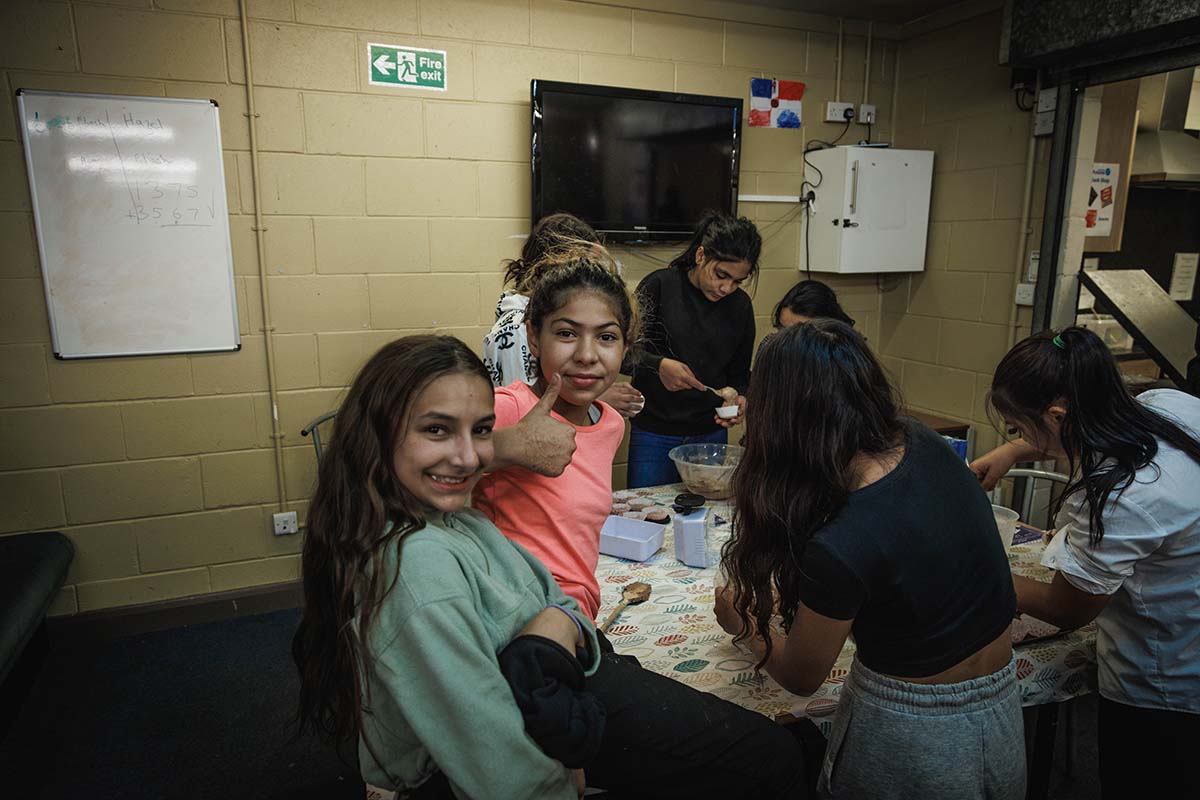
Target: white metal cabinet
[871,212]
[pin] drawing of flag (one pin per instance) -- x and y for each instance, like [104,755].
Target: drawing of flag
[775,104]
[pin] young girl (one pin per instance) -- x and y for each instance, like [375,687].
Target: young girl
[1127,548]
[506,351]
[852,520]
[805,300]
[680,742]
[408,597]
[700,331]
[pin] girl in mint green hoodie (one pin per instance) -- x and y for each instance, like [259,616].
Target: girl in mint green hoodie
[442,649]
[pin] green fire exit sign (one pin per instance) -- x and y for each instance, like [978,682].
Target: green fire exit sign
[407,67]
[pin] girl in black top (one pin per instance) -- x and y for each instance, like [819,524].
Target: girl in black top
[699,332]
[852,519]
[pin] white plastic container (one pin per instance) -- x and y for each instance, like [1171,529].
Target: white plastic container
[728,412]
[633,539]
[1006,524]
[690,532]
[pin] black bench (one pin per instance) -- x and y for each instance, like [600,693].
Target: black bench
[33,567]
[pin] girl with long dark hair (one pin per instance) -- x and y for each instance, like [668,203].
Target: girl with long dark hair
[851,519]
[806,300]
[699,333]
[1127,546]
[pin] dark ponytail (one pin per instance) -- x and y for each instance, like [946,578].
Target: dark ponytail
[811,299]
[724,238]
[1106,433]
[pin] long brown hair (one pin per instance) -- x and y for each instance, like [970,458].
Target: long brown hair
[1105,432]
[357,496]
[820,399]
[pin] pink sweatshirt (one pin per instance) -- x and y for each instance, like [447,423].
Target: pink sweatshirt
[557,519]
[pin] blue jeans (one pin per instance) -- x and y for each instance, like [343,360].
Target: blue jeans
[649,464]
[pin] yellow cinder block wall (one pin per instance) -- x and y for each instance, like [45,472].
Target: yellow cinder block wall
[943,331]
[388,212]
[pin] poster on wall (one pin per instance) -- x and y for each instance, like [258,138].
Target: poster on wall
[1183,276]
[775,104]
[1101,196]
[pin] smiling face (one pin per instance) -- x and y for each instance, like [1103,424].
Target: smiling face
[717,279]
[583,342]
[447,441]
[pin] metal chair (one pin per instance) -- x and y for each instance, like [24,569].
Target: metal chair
[313,429]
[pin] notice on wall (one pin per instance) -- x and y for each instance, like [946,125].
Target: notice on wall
[775,104]
[407,67]
[1101,196]
[1183,276]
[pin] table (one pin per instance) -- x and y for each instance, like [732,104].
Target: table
[674,633]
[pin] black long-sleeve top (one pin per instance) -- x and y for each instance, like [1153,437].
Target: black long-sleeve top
[715,340]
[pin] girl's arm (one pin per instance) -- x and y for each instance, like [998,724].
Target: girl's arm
[441,672]
[800,659]
[1058,602]
[994,465]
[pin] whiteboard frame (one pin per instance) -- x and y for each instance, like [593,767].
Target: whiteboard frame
[54,343]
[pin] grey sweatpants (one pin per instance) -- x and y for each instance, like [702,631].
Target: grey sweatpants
[895,739]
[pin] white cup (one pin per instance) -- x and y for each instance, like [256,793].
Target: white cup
[1006,524]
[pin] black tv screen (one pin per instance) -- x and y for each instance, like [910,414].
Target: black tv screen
[635,165]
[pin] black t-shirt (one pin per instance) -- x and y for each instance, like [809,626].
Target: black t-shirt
[715,339]
[916,561]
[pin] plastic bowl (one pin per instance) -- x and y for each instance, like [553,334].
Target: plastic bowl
[728,412]
[707,469]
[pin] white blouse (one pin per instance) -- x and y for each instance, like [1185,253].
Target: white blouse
[506,346]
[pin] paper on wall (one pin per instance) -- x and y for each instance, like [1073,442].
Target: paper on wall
[1102,199]
[1183,276]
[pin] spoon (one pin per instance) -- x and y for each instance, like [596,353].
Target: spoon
[631,595]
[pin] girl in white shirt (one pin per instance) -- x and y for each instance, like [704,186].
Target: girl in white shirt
[1127,547]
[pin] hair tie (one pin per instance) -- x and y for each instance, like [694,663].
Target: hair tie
[1058,342]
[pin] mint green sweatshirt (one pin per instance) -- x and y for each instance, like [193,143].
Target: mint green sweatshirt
[437,698]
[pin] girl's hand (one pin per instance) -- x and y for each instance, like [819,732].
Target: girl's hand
[729,423]
[538,442]
[676,375]
[727,618]
[580,782]
[627,400]
[993,466]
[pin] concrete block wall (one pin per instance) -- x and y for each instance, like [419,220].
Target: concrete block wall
[942,332]
[388,212]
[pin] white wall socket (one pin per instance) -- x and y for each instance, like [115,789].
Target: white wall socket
[286,523]
[866,114]
[1025,294]
[836,112]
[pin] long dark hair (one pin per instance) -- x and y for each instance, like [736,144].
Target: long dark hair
[551,232]
[357,495]
[821,399]
[724,238]
[1106,433]
[811,299]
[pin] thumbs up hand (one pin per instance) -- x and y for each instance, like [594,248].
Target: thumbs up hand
[539,442]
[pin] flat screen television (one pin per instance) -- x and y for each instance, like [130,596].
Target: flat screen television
[635,165]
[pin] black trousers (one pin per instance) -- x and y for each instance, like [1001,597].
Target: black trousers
[664,739]
[1147,752]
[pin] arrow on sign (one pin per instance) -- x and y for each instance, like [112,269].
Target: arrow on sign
[382,64]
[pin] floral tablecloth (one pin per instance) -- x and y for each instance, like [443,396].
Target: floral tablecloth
[675,633]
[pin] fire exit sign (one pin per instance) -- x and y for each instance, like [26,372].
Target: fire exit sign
[407,67]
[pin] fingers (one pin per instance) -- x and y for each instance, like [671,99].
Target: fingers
[550,396]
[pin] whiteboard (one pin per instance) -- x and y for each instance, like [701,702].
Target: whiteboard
[132,223]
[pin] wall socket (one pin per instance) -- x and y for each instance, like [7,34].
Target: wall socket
[286,523]
[837,112]
[866,114]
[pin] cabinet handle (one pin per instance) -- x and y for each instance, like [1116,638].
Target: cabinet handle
[853,186]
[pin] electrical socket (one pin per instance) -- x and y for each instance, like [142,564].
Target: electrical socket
[866,114]
[285,523]
[1025,294]
[839,112]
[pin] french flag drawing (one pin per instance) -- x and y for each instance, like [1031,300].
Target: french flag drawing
[775,104]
